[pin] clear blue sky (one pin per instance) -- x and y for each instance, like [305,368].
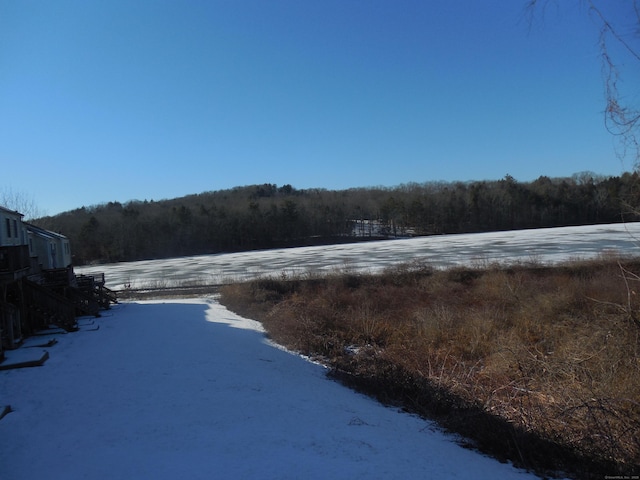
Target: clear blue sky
[150,99]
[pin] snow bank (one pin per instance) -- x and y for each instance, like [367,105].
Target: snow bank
[172,390]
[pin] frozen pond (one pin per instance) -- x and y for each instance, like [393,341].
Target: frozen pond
[546,245]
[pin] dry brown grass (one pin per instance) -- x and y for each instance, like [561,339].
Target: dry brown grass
[537,364]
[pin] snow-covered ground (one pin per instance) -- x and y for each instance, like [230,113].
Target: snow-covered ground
[188,390]
[545,245]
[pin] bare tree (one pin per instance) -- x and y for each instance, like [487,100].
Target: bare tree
[618,23]
[19,202]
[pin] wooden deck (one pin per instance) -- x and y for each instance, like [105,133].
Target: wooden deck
[49,297]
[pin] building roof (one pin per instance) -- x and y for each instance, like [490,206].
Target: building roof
[44,233]
[13,212]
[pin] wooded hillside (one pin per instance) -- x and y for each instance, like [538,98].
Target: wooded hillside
[266,216]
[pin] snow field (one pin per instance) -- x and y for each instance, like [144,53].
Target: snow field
[189,390]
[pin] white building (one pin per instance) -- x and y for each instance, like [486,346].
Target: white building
[12,231]
[51,249]
[20,241]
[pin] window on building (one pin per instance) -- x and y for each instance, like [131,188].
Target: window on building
[15,228]
[8,228]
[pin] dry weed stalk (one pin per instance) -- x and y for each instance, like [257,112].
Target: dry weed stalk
[522,343]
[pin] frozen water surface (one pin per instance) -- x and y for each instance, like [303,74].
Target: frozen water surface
[546,245]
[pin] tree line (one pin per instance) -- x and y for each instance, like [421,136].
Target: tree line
[267,216]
